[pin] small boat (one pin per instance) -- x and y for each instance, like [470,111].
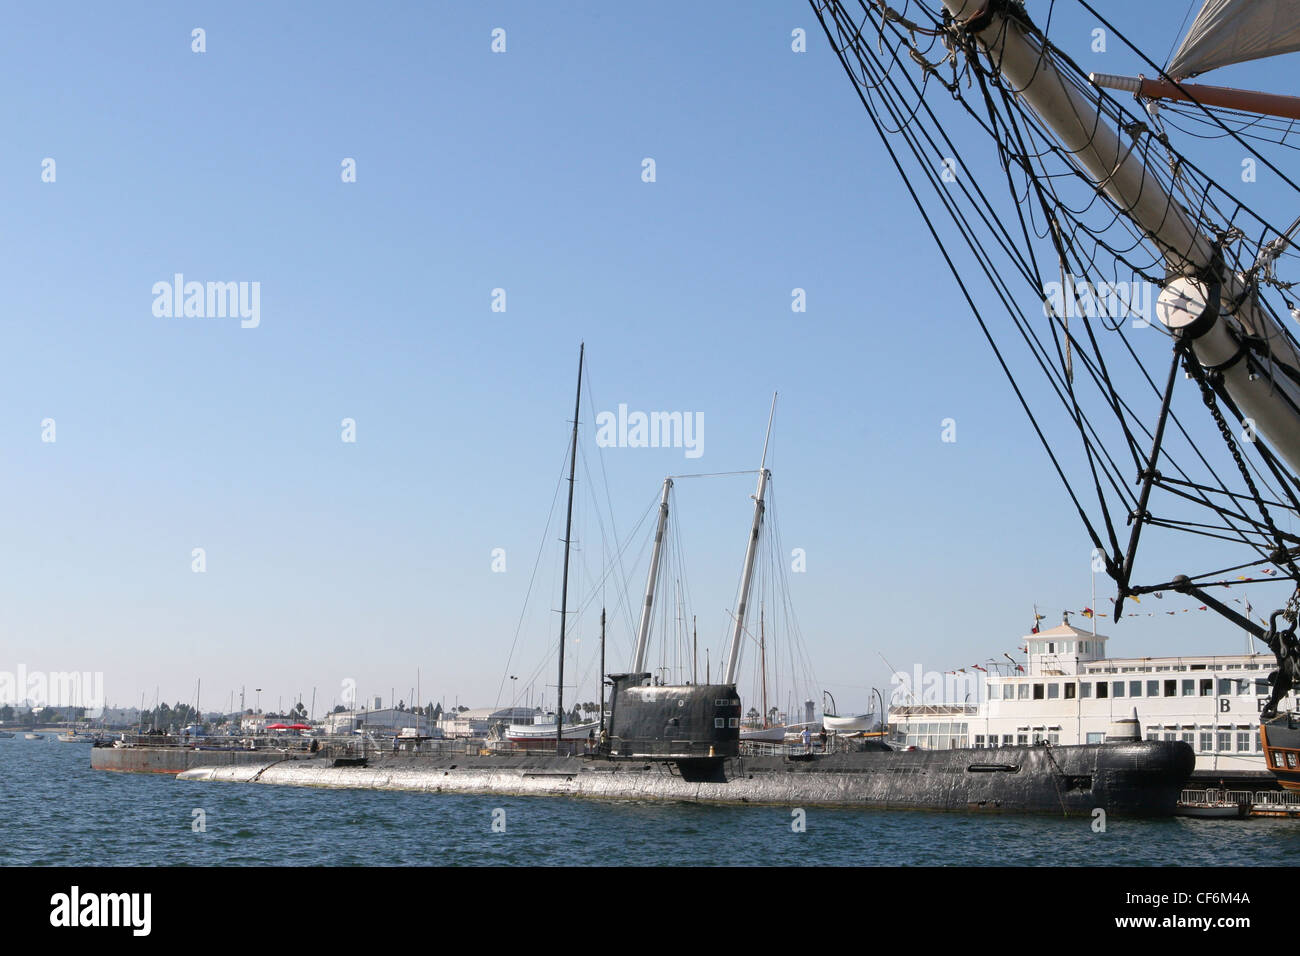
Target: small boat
[842,723]
[765,735]
[32,736]
[76,737]
[1214,805]
[1232,812]
[537,733]
[6,733]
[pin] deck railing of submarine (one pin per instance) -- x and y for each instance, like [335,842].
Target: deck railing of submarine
[326,746]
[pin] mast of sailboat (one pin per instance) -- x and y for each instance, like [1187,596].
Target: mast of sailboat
[762,655]
[568,534]
[695,652]
[602,671]
[751,552]
[643,632]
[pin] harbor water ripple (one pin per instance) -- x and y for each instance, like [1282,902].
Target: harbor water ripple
[56,811]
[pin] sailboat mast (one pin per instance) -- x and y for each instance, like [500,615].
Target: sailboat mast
[751,552]
[643,632]
[602,671]
[762,653]
[568,534]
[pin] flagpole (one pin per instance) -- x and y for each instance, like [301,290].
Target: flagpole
[1094,603]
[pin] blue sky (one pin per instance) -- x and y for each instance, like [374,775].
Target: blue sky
[328,560]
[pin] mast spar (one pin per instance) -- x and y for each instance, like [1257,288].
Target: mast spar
[568,535]
[643,632]
[751,552]
[1203,302]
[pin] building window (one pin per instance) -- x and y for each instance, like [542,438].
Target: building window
[1053,691]
[1117,688]
[1188,738]
[1038,692]
[1290,759]
[1135,688]
[1103,690]
[1207,741]
[1023,693]
[1153,688]
[1054,739]
[1189,688]
[1171,688]
[1022,740]
[1069,691]
[1243,741]
[1259,743]
[1085,688]
[1225,686]
[1224,741]
[1008,691]
[979,741]
[719,721]
[1096,737]
[1207,687]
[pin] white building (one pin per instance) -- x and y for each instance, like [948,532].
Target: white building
[1070,692]
[385,722]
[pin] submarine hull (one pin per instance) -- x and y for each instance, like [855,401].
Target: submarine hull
[1142,778]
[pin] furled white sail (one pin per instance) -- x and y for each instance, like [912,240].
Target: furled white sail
[1233,31]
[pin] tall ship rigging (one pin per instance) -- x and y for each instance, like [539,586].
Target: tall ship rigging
[1077,190]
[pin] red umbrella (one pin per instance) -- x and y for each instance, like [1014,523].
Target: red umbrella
[277,726]
[300,726]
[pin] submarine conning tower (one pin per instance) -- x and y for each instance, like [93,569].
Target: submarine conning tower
[664,722]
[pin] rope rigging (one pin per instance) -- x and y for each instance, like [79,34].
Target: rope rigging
[1049,227]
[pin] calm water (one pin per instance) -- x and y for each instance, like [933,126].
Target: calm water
[55,810]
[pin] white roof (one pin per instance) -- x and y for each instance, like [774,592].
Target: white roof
[1066,632]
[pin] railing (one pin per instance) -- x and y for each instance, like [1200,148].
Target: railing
[246,742]
[1277,798]
[1220,798]
[758,748]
